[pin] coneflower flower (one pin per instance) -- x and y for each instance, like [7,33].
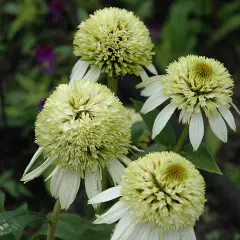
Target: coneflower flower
[193,85]
[115,42]
[82,128]
[161,197]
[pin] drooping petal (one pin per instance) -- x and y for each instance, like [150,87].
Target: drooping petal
[152,89]
[56,182]
[122,226]
[113,214]
[38,171]
[187,234]
[125,160]
[51,174]
[227,115]
[218,126]
[172,235]
[153,102]
[149,81]
[134,148]
[196,130]
[116,170]
[106,195]
[144,232]
[143,75]
[156,234]
[78,70]
[152,69]
[184,116]
[93,183]
[162,119]
[33,160]
[69,188]
[92,74]
[235,107]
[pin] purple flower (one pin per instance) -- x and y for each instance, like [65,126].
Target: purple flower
[56,8]
[46,58]
[155,30]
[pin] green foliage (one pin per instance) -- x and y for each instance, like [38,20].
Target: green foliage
[13,187]
[2,201]
[201,158]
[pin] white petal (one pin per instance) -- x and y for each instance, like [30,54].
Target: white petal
[93,183]
[78,70]
[153,102]
[153,88]
[143,75]
[187,234]
[184,116]
[162,119]
[56,182]
[227,115]
[92,74]
[33,160]
[116,170]
[106,195]
[149,81]
[38,171]
[69,188]
[152,69]
[156,234]
[172,236]
[112,215]
[143,233]
[196,130]
[125,160]
[235,107]
[51,174]
[218,126]
[122,226]
[133,147]
[129,232]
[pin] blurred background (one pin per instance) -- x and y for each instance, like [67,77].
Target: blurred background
[36,55]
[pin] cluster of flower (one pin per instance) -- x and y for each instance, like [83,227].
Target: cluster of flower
[83,129]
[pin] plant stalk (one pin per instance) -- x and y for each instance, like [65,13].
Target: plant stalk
[182,139]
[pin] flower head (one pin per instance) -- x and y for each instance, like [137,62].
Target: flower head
[82,128]
[161,193]
[113,41]
[194,85]
[46,58]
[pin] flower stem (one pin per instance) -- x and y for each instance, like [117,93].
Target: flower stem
[54,219]
[181,140]
[113,84]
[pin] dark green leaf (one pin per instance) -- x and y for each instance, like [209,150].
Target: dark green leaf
[167,135]
[28,42]
[213,143]
[201,158]
[2,201]
[137,130]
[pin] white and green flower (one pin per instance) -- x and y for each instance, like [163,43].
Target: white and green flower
[161,197]
[113,41]
[82,129]
[193,85]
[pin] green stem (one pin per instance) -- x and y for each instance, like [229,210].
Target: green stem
[181,140]
[54,219]
[113,84]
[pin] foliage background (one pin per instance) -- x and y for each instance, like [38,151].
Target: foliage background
[36,55]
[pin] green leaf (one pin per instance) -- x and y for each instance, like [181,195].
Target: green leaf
[213,143]
[201,158]
[28,42]
[167,136]
[137,130]
[2,201]
[18,219]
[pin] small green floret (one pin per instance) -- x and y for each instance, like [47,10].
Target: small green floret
[82,125]
[114,40]
[164,189]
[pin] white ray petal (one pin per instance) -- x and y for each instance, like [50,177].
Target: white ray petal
[122,226]
[133,147]
[218,126]
[184,116]
[125,160]
[93,183]
[116,170]
[38,171]
[187,234]
[162,119]
[106,195]
[113,214]
[156,234]
[196,130]
[92,74]
[69,188]
[143,233]
[33,160]
[149,81]
[51,174]
[172,236]
[56,182]
[143,75]
[153,88]
[152,69]
[235,107]
[153,102]
[227,115]
[129,232]
[78,70]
